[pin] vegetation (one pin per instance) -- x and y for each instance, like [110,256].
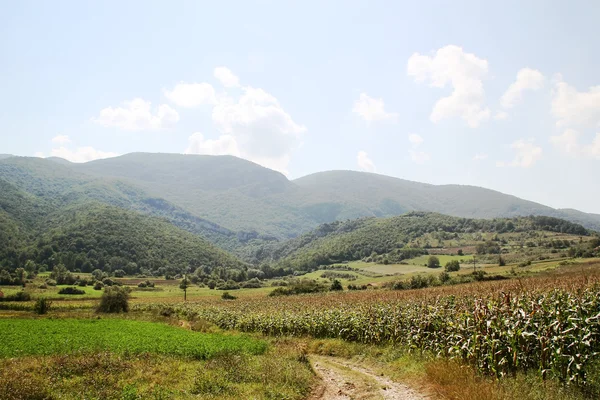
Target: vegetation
[114,300]
[69,336]
[499,328]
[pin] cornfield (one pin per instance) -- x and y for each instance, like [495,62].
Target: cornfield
[551,325]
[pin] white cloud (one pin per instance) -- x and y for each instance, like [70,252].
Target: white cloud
[224,145]
[372,109]
[263,131]
[415,139]
[364,162]
[527,79]
[480,157]
[419,157]
[61,139]
[568,143]
[77,155]
[191,95]
[464,72]
[573,108]
[500,115]
[526,154]
[226,77]
[137,115]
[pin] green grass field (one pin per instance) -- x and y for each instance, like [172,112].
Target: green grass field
[22,337]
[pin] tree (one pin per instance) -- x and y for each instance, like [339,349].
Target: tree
[460,252]
[184,286]
[501,261]
[452,266]
[433,262]
[114,300]
[336,285]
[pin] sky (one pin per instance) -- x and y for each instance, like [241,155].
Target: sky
[504,95]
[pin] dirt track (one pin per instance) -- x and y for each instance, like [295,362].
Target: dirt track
[342,379]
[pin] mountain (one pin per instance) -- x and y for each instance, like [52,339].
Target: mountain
[2,156]
[59,185]
[258,202]
[50,213]
[241,206]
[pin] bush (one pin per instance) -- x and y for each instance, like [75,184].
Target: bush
[114,300]
[42,306]
[82,283]
[299,287]
[452,266]
[71,290]
[227,296]
[98,285]
[108,282]
[336,286]
[253,283]
[19,296]
[433,262]
[50,282]
[142,285]
[229,285]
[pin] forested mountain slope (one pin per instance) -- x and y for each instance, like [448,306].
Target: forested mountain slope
[355,239]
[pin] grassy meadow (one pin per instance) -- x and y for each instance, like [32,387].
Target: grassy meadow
[531,332]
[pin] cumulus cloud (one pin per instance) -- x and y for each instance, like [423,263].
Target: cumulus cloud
[78,154]
[137,115]
[364,162]
[464,73]
[568,143]
[419,157]
[224,145]
[527,79]
[415,139]
[526,154]
[253,126]
[501,115]
[226,77]
[371,109]
[480,157]
[573,108]
[191,95]
[61,139]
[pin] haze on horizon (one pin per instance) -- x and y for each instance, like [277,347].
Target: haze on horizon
[504,96]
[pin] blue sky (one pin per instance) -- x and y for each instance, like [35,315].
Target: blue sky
[504,95]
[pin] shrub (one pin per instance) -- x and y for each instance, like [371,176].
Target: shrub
[42,306]
[50,282]
[253,283]
[108,282]
[229,285]
[433,262]
[336,285]
[227,296]
[452,266]
[299,287]
[82,283]
[114,300]
[71,290]
[460,252]
[98,285]
[142,285]
[19,296]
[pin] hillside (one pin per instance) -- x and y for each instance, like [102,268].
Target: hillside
[243,196]
[55,185]
[396,237]
[50,215]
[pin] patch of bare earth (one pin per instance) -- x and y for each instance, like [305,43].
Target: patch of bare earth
[341,379]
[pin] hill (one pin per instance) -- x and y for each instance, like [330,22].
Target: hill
[49,214]
[2,156]
[243,196]
[56,185]
[368,194]
[398,238]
